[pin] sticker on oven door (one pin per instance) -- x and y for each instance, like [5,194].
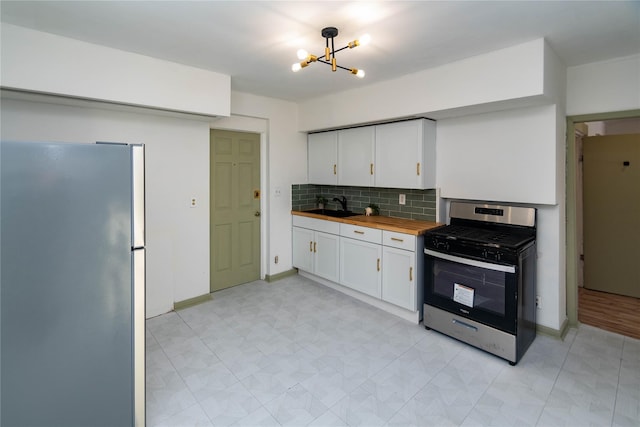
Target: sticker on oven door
[463,294]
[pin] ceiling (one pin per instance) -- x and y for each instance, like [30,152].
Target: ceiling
[255,42]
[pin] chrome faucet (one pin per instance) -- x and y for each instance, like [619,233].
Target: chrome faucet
[343,202]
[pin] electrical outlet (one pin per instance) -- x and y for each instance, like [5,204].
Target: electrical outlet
[193,203]
[275,260]
[402,199]
[538,302]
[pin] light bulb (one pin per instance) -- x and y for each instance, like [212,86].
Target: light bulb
[296,67]
[364,40]
[360,74]
[302,54]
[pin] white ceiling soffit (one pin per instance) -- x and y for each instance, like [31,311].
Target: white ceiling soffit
[255,42]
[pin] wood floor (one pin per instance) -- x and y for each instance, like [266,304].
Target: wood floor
[611,312]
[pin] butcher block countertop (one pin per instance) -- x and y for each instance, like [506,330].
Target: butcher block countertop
[399,225]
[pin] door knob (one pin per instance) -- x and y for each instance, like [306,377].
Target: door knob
[257,213]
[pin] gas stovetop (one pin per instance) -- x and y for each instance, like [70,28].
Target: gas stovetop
[484,231]
[507,238]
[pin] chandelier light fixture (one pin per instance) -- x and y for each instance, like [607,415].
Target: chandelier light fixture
[329,56]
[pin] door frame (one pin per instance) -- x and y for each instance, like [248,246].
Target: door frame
[259,126]
[572,250]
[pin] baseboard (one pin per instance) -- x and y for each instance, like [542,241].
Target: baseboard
[179,305]
[410,316]
[554,333]
[272,278]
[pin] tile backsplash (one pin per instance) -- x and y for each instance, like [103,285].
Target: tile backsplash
[420,204]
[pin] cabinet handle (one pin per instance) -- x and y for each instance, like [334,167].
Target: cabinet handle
[358,232]
[334,169]
[378,264]
[314,247]
[411,274]
[418,169]
[397,240]
[310,246]
[371,168]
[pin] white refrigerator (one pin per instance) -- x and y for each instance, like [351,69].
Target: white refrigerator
[72,284]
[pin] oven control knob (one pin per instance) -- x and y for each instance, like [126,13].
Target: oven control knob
[442,245]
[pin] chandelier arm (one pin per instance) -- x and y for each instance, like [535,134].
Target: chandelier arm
[329,63]
[333,52]
[342,48]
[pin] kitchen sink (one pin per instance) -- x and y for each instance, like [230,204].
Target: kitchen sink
[335,214]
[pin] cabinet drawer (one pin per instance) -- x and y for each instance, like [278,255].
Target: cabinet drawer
[316,224]
[361,233]
[399,240]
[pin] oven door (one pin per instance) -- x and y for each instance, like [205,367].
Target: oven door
[478,290]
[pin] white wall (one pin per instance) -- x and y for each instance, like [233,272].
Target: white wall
[47,63]
[507,156]
[287,165]
[511,77]
[602,87]
[177,144]
[177,168]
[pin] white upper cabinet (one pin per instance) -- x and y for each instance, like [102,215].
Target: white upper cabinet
[394,155]
[322,160]
[355,156]
[405,154]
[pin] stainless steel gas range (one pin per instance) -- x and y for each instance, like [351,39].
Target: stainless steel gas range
[480,277]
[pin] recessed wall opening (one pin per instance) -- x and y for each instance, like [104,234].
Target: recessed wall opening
[603,180]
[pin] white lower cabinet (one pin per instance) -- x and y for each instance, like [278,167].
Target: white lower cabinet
[360,265]
[327,256]
[398,277]
[316,252]
[402,269]
[316,247]
[384,267]
[302,245]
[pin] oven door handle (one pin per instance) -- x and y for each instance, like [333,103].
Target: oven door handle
[471,262]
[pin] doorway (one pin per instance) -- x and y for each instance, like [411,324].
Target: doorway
[611,194]
[234,208]
[599,124]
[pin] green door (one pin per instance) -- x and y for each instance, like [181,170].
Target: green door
[235,208]
[611,176]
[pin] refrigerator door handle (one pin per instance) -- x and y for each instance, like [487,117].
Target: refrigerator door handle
[138,258]
[138,202]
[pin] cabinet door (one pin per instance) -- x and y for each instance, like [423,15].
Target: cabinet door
[302,247]
[399,277]
[327,256]
[355,156]
[400,155]
[360,264]
[322,158]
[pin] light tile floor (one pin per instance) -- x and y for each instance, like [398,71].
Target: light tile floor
[296,353]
